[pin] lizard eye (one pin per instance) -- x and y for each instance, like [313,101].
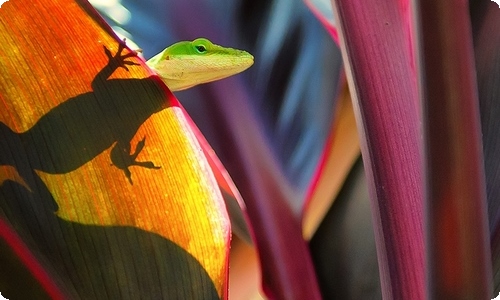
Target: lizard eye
[201,49]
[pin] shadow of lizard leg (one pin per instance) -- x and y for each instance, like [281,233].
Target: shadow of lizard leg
[122,159]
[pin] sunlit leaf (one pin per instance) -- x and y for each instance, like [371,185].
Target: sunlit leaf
[232,197]
[97,156]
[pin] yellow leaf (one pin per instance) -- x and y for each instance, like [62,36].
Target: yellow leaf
[112,146]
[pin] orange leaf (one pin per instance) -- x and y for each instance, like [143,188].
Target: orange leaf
[111,146]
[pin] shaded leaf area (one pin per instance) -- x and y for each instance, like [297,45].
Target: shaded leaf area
[94,262]
[14,272]
[343,247]
[485,19]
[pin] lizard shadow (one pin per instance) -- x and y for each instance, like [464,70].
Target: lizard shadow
[90,261]
[80,128]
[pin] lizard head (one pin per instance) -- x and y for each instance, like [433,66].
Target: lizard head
[189,63]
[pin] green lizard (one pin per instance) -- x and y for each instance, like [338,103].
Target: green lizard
[189,63]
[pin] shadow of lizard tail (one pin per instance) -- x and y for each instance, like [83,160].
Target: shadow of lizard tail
[11,148]
[13,154]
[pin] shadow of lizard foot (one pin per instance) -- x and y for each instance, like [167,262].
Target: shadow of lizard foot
[146,164]
[122,159]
